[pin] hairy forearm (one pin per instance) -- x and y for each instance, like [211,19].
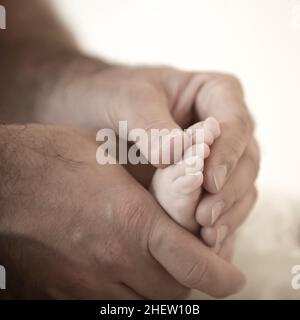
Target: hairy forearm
[39,60]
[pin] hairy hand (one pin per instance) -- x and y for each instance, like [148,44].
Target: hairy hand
[70,228]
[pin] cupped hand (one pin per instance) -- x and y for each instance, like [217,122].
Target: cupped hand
[164,98]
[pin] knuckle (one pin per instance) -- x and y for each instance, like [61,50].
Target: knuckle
[225,81]
[257,153]
[254,156]
[232,78]
[234,194]
[244,122]
[255,165]
[251,121]
[197,274]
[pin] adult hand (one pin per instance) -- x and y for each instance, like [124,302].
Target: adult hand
[166,98]
[60,84]
[70,228]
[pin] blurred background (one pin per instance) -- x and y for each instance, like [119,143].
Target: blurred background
[259,41]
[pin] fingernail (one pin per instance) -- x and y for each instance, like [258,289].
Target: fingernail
[220,176]
[216,211]
[221,234]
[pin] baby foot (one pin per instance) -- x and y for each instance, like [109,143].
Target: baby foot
[178,187]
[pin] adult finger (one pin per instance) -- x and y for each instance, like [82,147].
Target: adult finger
[133,213]
[212,206]
[190,262]
[229,221]
[221,97]
[146,108]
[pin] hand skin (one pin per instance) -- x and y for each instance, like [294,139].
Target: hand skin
[91,231]
[58,84]
[167,98]
[47,69]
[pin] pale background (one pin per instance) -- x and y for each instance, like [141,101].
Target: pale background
[258,40]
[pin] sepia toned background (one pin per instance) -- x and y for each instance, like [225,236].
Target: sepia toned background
[259,41]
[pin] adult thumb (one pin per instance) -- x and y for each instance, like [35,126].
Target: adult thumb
[155,133]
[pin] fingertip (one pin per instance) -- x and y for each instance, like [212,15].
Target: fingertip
[237,283]
[203,217]
[209,236]
[240,282]
[230,279]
